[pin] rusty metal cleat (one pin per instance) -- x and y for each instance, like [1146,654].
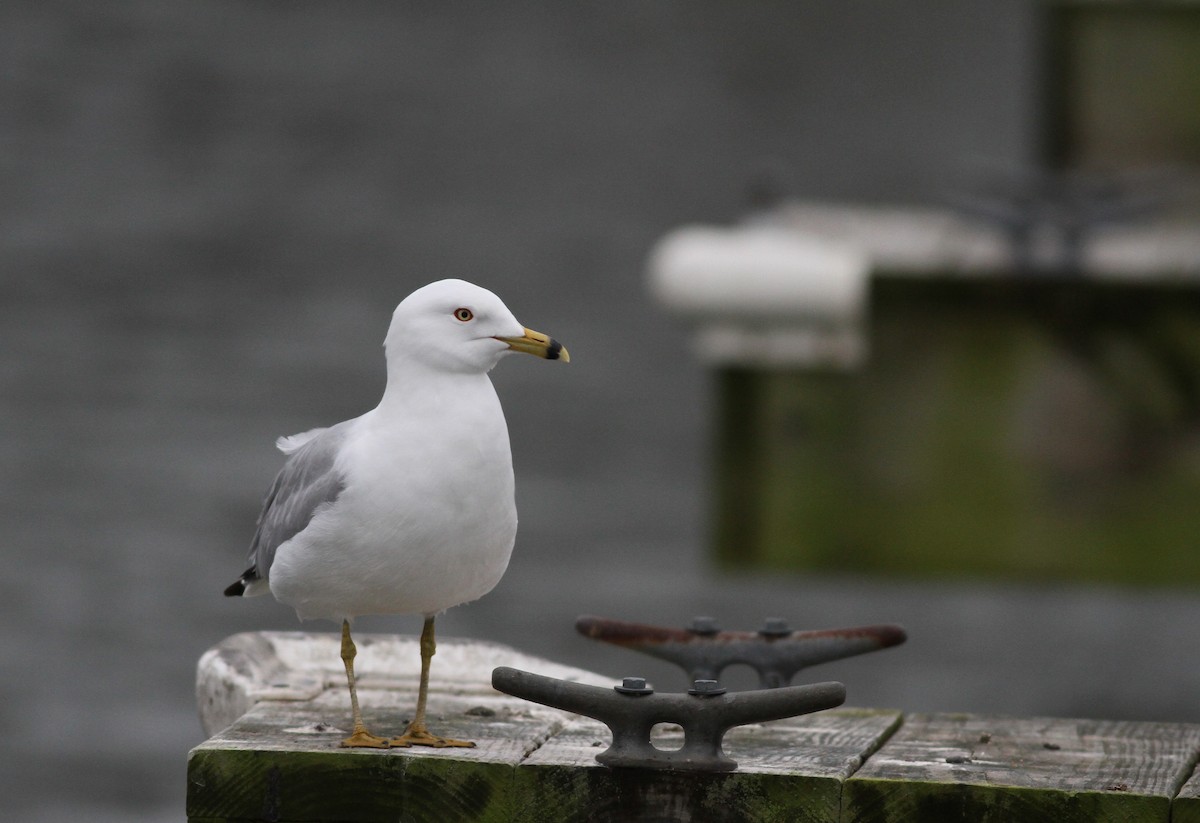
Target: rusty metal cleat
[775,651]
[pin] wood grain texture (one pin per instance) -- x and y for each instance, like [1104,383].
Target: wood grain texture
[277,706]
[281,762]
[791,770]
[980,768]
[248,668]
[1186,806]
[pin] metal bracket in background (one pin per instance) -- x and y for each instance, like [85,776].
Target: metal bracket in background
[632,709]
[774,651]
[1035,205]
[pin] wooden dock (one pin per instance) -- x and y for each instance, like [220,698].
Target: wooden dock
[276,705]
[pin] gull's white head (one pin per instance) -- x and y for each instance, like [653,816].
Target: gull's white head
[456,326]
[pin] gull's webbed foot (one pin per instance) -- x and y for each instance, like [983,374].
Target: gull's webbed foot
[420,736]
[363,739]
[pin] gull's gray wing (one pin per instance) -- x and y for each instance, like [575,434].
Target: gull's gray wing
[308,480]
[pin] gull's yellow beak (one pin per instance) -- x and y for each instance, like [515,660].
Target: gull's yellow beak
[537,344]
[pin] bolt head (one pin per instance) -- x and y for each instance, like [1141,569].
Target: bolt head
[775,627]
[634,686]
[704,626]
[706,688]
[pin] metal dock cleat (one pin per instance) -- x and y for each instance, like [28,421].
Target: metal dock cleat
[775,651]
[632,709]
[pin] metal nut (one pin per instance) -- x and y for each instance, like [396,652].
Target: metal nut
[704,626]
[775,627]
[634,686]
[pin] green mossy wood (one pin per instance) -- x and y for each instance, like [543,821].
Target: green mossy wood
[990,769]
[1011,428]
[791,770]
[1186,808]
[280,762]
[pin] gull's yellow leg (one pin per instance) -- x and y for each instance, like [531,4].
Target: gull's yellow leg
[416,734]
[360,737]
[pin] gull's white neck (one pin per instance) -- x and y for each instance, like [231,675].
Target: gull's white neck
[414,388]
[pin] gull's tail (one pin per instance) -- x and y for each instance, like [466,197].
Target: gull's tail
[245,586]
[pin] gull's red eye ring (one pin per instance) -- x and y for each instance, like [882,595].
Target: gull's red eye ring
[464,314]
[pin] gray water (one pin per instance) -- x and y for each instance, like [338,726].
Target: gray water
[208,211]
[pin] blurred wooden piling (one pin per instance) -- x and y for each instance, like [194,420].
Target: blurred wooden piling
[275,704]
[986,423]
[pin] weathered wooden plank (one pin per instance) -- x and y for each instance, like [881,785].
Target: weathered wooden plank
[942,767]
[281,762]
[790,770]
[252,667]
[1186,807]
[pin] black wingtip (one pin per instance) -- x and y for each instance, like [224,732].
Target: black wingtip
[238,588]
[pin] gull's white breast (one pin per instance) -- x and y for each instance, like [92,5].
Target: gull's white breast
[426,520]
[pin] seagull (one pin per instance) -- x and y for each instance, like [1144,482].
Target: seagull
[409,508]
